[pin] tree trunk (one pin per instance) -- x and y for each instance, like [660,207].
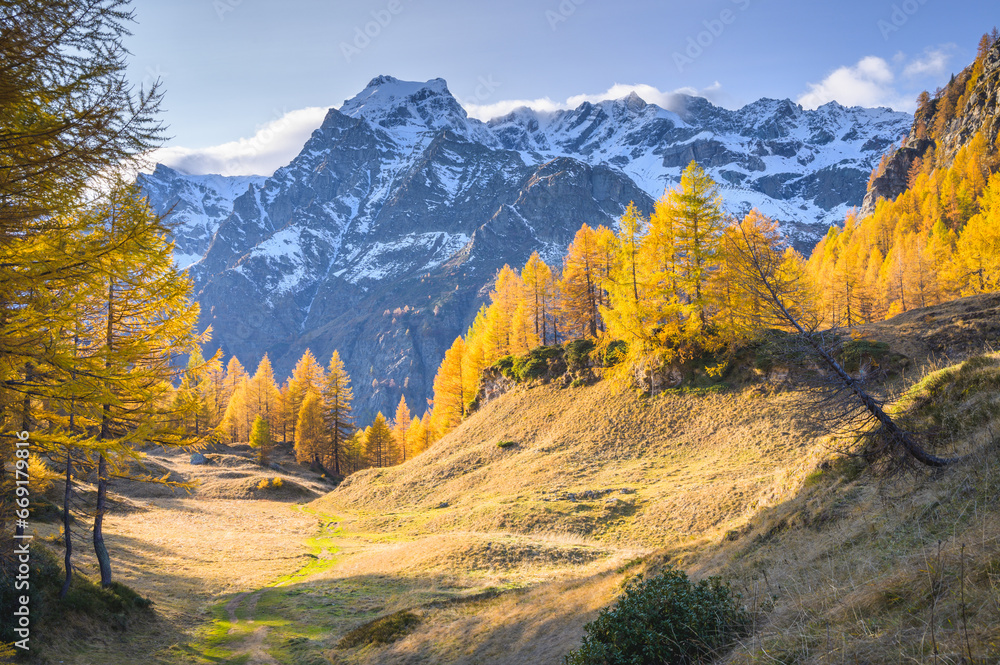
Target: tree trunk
[103,559]
[337,444]
[67,535]
[900,436]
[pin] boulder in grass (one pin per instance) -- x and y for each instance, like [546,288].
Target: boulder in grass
[198,458]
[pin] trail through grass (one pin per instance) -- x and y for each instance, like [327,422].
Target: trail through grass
[249,626]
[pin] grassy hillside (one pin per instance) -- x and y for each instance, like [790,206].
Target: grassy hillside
[500,543]
[837,565]
[593,462]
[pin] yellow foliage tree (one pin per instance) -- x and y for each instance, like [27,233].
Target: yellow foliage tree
[452,393]
[581,289]
[378,442]
[337,406]
[538,297]
[307,376]
[400,429]
[312,439]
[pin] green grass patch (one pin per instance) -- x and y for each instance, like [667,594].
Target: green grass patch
[273,608]
[302,651]
[506,444]
[957,399]
[714,389]
[113,604]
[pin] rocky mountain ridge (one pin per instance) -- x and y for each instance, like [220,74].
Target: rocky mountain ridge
[976,110]
[382,237]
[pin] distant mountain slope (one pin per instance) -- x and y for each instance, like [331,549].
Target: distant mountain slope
[197,204]
[382,236]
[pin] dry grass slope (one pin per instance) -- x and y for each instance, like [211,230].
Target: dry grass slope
[838,567]
[592,462]
[501,554]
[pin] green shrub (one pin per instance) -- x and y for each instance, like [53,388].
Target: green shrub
[506,444]
[531,365]
[527,368]
[578,353]
[546,352]
[615,353]
[665,619]
[577,383]
[380,631]
[505,366]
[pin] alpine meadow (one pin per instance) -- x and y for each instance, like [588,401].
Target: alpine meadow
[675,373]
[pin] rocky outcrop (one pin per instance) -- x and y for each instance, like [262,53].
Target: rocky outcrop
[894,180]
[977,111]
[981,108]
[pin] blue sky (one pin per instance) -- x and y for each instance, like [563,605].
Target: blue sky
[254,76]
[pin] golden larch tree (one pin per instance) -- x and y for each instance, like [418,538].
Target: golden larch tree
[337,406]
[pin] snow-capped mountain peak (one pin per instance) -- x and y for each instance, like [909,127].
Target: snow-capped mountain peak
[381,238]
[399,105]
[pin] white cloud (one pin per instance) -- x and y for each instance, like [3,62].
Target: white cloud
[497,109]
[273,145]
[276,143]
[874,81]
[672,100]
[933,63]
[868,83]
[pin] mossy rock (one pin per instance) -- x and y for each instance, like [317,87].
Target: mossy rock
[383,630]
[857,352]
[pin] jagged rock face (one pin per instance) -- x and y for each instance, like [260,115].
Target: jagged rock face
[382,237]
[805,167]
[980,112]
[197,204]
[895,179]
